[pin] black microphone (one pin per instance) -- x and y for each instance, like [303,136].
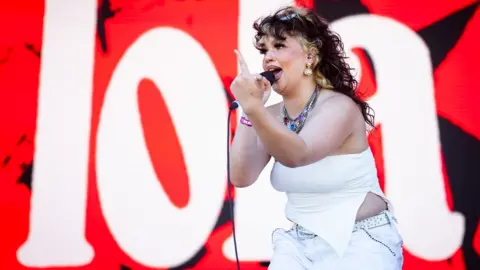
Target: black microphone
[267,75]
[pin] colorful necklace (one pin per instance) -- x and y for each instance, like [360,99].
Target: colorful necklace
[297,124]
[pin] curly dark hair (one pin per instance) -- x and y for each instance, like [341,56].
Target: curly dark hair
[331,71]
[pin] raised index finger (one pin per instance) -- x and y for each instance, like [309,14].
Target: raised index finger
[242,63]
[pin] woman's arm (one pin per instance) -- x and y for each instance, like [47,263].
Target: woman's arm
[323,133]
[248,156]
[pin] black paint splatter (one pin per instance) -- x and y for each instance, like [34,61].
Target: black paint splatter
[22,139]
[6,160]
[30,47]
[26,177]
[104,13]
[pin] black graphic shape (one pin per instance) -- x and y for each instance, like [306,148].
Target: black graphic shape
[461,153]
[105,12]
[442,36]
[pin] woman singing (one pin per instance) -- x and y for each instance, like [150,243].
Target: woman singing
[317,137]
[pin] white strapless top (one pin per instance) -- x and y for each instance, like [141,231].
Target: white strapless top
[324,197]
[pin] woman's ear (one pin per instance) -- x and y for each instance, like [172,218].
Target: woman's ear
[312,57]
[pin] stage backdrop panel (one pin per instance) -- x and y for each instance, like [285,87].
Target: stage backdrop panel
[113,119]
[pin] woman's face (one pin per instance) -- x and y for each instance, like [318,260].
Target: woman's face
[287,60]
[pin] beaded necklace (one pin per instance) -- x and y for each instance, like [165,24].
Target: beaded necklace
[297,124]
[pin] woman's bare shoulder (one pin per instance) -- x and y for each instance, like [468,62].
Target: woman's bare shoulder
[335,102]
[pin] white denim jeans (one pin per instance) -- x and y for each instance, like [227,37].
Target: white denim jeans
[378,248]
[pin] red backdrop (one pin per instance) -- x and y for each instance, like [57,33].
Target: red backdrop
[31,73]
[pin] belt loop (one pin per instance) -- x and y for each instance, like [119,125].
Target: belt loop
[391,218]
[296,231]
[387,215]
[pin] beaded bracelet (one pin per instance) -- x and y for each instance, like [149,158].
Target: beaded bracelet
[245,121]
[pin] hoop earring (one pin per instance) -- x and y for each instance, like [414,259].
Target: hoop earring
[308,70]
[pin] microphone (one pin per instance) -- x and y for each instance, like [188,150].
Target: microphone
[267,75]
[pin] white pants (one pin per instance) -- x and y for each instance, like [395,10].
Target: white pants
[378,248]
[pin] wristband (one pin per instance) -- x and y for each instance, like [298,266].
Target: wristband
[245,121]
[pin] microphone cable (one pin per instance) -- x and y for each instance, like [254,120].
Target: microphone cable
[271,78]
[229,184]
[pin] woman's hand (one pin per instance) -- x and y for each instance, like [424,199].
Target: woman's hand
[251,90]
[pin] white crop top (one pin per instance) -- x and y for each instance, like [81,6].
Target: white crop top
[324,197]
